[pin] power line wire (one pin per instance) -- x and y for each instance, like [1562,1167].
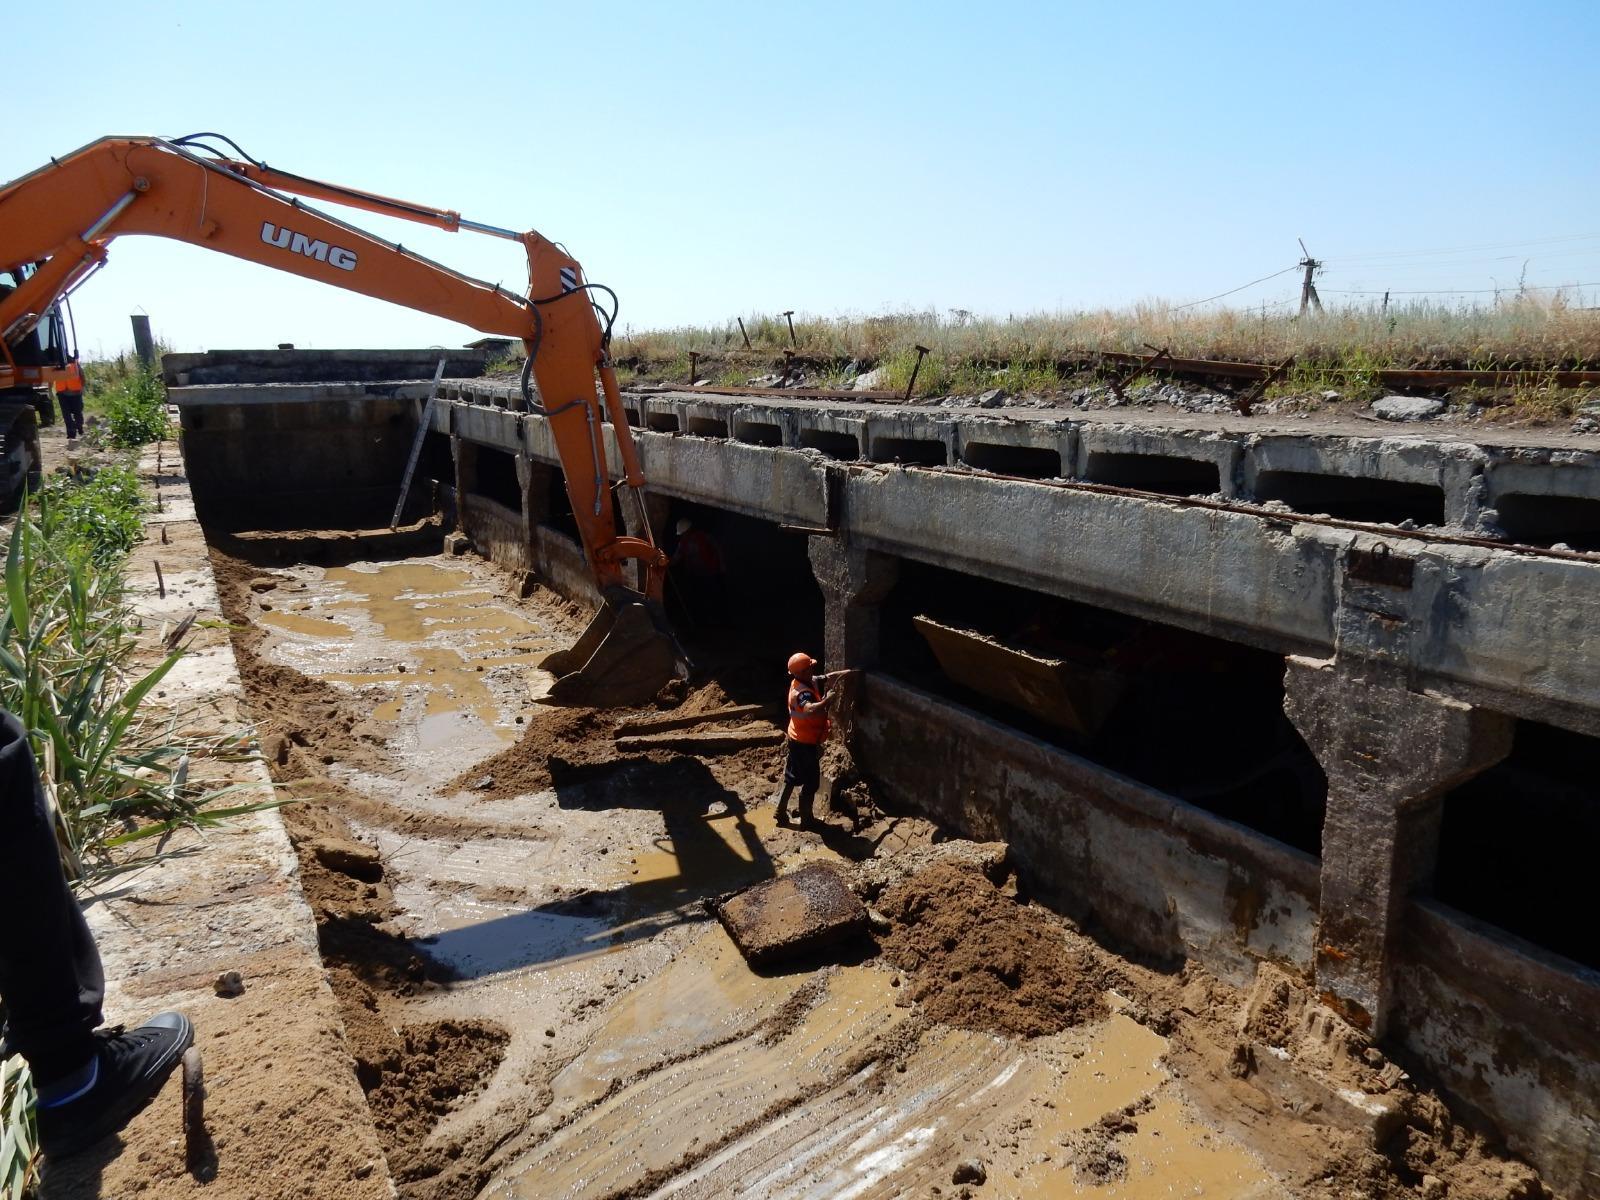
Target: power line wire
[1240,288]
[1385,254]
[1548,287]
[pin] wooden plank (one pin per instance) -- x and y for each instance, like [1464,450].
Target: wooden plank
[738,712]
[703,743]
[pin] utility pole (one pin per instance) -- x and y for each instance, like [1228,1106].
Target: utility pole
[1308,290]
[143,344]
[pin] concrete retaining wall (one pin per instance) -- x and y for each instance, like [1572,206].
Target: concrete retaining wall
[1414,618]
[1513,1031]
[296,461]
[1165,876]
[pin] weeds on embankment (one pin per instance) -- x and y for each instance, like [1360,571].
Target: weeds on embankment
[115,770]
[129,400]
[1341,349]
[19,1141]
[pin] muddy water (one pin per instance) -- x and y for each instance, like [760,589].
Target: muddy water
[795,1086]
[645,1057]
[432,648]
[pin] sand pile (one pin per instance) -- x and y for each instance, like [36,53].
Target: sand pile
[977,959]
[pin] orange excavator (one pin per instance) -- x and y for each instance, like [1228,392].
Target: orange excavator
[56,225]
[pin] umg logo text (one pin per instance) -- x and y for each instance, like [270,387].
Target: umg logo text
[299,243]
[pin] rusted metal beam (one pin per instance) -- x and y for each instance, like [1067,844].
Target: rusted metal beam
[795,393]
[1389,376]
[1247,401]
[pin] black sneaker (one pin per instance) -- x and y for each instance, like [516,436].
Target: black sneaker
[132,1065]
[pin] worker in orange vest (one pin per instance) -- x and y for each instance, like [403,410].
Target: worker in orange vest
[808,729]
[69,397]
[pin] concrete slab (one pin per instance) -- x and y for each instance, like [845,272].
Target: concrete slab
[792,915]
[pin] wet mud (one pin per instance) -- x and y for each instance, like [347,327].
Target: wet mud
[514,919]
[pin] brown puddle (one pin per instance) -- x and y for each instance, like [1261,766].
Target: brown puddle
[452,629]
[726,1081]
[731,848]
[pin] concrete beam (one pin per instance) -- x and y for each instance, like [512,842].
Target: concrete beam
[1512,632]
[238,395]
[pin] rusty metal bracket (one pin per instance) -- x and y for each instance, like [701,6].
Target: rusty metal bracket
[1118,382]
[1380,565]
[1247,401]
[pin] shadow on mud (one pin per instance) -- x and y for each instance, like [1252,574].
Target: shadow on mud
[691,861]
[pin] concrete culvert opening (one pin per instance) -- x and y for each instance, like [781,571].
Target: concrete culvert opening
[1163,473]
[923,452]
[710,427]
[1516,844]
[662,422]
[831,442]
[766,599]
[1547,520]
[493,476]
[759,433]
[1194,716]
[631,415]
[1354,498]
[1030,462]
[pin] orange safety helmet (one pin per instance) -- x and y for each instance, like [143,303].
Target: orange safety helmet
[800,663]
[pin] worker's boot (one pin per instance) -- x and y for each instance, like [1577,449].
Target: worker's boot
[783,806]
[128,1068]
[808,800]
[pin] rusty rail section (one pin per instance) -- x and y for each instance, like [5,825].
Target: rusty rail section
[1260,374]
[1398,377]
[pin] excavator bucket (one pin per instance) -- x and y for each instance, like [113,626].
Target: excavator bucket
[623,658]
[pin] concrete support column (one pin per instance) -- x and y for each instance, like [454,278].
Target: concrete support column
[1390,755]
[854,584]
[657,510]
[465,456]
[534,478]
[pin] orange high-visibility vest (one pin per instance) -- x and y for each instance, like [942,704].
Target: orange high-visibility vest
[807,728]
[73,382]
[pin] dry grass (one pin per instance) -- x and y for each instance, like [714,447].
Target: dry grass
[1037,352]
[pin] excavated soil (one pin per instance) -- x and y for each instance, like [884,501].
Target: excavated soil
[976,959]
[567,745]
[412,1074]
[627,1047]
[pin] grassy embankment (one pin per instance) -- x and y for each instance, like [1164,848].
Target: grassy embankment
[1046,353]
[74,674]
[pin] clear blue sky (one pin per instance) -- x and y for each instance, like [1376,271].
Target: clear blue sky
[714,159]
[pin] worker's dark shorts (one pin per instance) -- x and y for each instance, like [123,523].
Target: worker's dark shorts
[804,767]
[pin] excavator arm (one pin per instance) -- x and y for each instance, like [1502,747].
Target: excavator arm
[61,219]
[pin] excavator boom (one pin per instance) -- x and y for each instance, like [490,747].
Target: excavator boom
[57,223]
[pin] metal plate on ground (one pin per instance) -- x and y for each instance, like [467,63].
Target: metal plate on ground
[792,915]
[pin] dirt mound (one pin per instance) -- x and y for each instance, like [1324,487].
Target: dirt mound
[574,736]
[563,744]
[1430,1152]
[1097,1158]
[977,959]
[418,1074]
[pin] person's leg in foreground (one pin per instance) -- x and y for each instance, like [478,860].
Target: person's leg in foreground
[89,1081]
